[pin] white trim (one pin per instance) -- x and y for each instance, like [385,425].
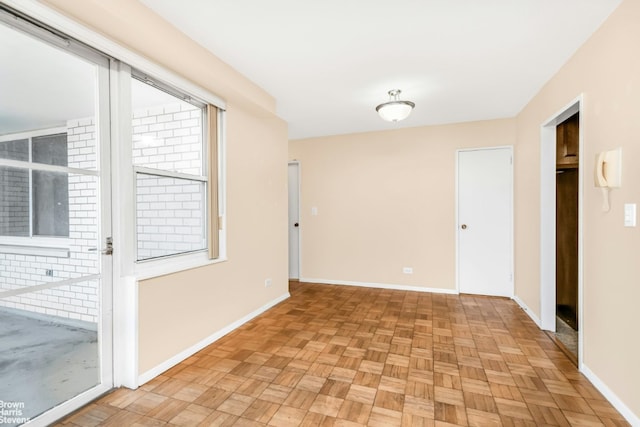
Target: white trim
[511,216]
[125,294]
[169,174]
[56,252]
[107,46]
[157,267]
[548,227]
[125,333]
[527,310]
[40,241]
[617,403]
[104,143]
[222,185]
[169,363]
[391,286]
[124,200]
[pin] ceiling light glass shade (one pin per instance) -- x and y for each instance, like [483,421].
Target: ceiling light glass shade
[395,110]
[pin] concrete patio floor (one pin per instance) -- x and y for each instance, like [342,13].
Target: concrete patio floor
[44,362]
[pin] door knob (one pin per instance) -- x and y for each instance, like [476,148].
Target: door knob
[463,226]
[108,250]
[296,224]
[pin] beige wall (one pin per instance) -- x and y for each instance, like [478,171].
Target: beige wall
[607,71]
[386,200]
[178,311]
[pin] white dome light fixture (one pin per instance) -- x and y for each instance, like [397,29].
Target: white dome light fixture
[395,110]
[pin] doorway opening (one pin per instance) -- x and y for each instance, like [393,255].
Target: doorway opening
[567,173]
[561,230]
[294,220]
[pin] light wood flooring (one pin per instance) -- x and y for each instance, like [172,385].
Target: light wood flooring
[347,356]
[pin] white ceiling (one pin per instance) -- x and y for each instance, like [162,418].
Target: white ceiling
[328,63]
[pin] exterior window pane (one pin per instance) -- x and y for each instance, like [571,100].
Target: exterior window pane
[167,131]
[15,150]
[48,192]
[50,204]
[170,216]
[50,149]
[14,201]
[168,157]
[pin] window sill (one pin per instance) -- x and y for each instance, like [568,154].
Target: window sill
[151,269]
[48,251]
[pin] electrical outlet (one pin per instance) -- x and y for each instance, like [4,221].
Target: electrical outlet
[267,283]
[407,270]
[49,273]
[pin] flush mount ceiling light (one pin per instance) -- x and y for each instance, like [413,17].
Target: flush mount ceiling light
[395,110]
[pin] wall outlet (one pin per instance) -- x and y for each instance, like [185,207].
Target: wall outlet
[49,273]
[267,283]
[407,270]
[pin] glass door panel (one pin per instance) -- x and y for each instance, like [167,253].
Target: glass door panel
[55,337]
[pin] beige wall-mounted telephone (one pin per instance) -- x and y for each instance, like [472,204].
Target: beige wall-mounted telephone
[608,173]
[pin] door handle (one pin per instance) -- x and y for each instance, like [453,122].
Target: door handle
[106,251]
[296,224]
[463,226]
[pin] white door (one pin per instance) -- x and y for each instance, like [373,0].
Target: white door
[294,221]
[485,221]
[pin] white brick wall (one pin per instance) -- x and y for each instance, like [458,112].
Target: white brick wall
[170,211]
[79,301]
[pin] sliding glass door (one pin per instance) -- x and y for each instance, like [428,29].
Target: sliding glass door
[55,224]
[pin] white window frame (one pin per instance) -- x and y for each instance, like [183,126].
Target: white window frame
[125,175]
[56,246]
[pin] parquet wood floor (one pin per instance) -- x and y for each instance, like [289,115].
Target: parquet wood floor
[347,356]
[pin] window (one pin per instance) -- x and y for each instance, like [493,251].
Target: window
[162,176]
[34,201]
[171,177]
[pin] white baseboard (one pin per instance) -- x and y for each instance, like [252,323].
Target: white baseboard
[527,310]
[626,412]
[154,372]
[379,286]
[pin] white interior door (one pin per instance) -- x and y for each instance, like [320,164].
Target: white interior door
[294,221]
[485,221]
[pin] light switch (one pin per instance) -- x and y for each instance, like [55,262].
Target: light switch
[630,215]
[314,211]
